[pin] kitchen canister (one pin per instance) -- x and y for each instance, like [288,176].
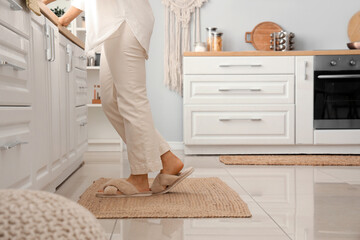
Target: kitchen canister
[210,30]
[217,45]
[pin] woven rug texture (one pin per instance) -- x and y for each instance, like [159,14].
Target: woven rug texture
[193,198]
[304,160]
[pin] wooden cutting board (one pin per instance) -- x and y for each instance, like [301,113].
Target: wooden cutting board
[260,35]
[354,28]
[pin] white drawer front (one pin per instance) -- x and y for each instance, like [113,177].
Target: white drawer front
[246,125]
[80,87]
[238,89]
[80,59]
[15,147]
[15,18]
[239,65]
[81,125]
[15,87]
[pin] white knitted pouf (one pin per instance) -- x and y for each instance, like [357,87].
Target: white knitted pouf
[27,214]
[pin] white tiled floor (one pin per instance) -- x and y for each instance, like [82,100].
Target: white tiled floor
[299,203]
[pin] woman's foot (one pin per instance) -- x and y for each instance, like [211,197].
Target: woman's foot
[171,163]
[141,182]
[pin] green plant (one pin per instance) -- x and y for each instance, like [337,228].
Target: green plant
[58,11]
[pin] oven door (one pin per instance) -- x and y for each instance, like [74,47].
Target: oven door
[337,100]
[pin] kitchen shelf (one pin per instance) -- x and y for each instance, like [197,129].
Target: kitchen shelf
[94,105]
[93,68]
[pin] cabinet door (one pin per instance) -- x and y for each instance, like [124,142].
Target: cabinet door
[16,147]
[15,84]
[15,16]
[239,124]
[64,98]
[304,100]
[41,158]
[54,80]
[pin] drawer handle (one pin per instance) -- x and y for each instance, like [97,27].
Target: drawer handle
[12,145]
[239,89]
[14,5]
[223,119]
[240,65]
[17,68]
[83,124]
[82,57]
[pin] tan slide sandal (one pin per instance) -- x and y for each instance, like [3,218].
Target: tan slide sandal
[112,188]
[163,183]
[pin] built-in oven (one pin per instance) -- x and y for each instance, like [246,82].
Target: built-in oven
[337,92]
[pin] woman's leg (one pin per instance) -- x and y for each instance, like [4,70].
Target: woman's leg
[126,64]
[110,107]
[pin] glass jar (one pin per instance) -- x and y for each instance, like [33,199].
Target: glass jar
[200,47]
[210,30]
[217,45]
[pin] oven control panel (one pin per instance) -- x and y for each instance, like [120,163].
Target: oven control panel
[337,63]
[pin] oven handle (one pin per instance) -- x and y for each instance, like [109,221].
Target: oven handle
[339,76]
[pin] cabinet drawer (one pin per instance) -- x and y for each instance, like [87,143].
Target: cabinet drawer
[14,69]
[15,18]
[80,87]
[230,89]
[239,65]
[15,147]
[81,125]
[241,124]
[80,59]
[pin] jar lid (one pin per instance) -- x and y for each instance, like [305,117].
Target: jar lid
[217,34]
[211,29]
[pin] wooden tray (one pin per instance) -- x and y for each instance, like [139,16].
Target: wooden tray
[260,35]
[354,28]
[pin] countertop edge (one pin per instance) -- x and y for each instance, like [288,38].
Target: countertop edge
[63,30]
[272,53]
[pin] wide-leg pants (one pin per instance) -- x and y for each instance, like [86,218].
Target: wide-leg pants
[125,103]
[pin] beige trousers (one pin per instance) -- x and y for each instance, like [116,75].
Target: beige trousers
[125,103]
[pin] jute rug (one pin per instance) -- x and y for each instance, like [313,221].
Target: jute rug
[305,160]
[193,198]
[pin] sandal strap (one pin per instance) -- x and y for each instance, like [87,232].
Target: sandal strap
[162,181]
[114,185]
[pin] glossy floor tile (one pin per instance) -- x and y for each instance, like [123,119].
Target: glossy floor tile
[287,202]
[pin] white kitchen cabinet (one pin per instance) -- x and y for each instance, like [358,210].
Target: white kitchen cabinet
[305,100]
[239,124]
[238,65]
[15,81]
[41,104]
[16,147]
[238,101]
[239,89]
[15,16]
[40,141]
[81,125]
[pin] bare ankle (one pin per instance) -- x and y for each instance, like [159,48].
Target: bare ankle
[171,163]
[141,182]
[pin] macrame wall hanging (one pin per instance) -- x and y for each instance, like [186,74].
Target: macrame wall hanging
[178,15]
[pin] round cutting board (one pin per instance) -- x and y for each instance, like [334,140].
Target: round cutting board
[260,35]
[354,28]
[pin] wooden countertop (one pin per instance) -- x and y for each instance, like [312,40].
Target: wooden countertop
[54,19]
[272,53]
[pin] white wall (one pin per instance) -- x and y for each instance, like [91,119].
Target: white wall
[319,24]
